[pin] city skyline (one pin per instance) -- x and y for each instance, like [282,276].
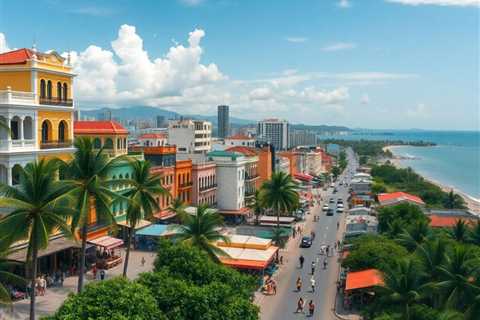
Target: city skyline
[323,62]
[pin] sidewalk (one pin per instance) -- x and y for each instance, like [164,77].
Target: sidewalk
[54,297]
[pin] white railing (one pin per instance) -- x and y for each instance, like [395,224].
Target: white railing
[16,97]
[6,145]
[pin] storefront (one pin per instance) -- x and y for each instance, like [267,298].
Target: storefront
[108,252]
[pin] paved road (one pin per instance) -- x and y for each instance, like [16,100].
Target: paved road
[283,305]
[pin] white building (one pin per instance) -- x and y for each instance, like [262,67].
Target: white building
[153,139]
[190,136]
[274,131]
[239,140]
[314,163]
[282,164]
[230,180]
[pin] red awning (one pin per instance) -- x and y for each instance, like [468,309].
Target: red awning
[164,215]
[107,242]
[363,279]
[303,176]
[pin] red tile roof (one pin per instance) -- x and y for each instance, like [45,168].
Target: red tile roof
[153,136]
[239,137]
[98,127]
[393,197]
[243,150]
[363,279]
[441,221]
[19,56]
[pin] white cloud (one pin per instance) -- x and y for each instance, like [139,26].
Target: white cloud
[191,3]
[94,11]
[3,43]
[260,94]
[419,111]
[459,3]
[296,39]
[344,4]
[365,99]
[339,46]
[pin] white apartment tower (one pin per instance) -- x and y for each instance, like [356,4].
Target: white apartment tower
[274,131]
[190,136]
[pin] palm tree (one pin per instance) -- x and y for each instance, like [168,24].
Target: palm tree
[89,187]
[178,207]
[459,231]
[142,202]
[403,286]
[474,234]
[201,230]
[457,276]
[7,277]
[414,236]
[35,214]
[453,201]
[256,206]
[280,194]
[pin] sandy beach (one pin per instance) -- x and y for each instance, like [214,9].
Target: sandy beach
[472,203]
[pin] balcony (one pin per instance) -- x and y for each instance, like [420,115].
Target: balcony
[56,101]
[56,144]
[16,97]
[207,188]
[7,145]
[251,177]
[249,194]
[185,185]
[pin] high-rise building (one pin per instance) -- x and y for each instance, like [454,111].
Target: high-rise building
[223,121]
[190,136]
[275,132]
[161,123]
[302,137]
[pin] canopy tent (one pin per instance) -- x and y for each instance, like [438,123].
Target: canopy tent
[363,279]
[54,246]
[140,224]
[164,214]
[248,258]
[107,242]
[303,177]
[154,230]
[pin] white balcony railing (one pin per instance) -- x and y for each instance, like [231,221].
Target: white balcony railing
[16,97]
[15,145]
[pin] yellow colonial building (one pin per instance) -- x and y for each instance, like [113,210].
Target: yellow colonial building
[36,103]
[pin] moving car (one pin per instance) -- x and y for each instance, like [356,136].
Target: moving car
[339,205]
[339,209]
[330,212]
[325,207]
[306,242]
[331,200]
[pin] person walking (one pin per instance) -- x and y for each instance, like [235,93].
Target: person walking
[311,308]
[312,283]
[299,284]
[102,274]
[328,249]
[300,305]
[325,263]
[143,261]
[313,267]
[338,225]
[301,260]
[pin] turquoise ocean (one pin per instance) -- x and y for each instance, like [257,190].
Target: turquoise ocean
[453,162]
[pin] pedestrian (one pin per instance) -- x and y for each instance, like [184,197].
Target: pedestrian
[311,308]
[312,283]
[312,234]
[94,271]
[299,284]
[325,263]
[302,260]
[338,225]
[102,274]
[43,285]
[313,267]
[281,259]
[274,286]
[300,305]
[335,246]
[328,249]
[143,261]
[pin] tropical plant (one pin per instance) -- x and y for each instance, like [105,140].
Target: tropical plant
[415,235]
[474,234]
[459,231]
[256,206]
[201,230]
[142,202]
[178,207]
[7,277]
[453,200]
[88,174]
[36,212]
[280,194]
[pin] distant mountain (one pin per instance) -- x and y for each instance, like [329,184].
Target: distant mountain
[320,128]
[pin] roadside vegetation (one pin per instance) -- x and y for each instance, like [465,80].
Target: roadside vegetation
[429,273]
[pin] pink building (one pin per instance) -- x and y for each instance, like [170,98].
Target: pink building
[204,184]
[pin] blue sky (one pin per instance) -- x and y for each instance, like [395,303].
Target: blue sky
[361,63]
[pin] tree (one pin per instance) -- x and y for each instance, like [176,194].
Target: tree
[88,174]
[414,235]
[256,206]
[280,194]
[35,212]
[201,230]
[474,234]
[402,286]
[335,172]
[178,207]
[453,201]
[142,202]
[459,231]
[117,298]
[403,215]
[6,277]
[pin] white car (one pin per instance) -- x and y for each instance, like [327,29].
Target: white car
[340,209]
[339,205]
[325,207]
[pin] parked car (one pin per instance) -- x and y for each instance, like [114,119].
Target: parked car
[331,200]
[330,212]
[325,207]
[306,242]
[339,209]
[340,205]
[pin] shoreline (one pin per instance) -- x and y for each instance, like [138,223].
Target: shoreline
[471,202]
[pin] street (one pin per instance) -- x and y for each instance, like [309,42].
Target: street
[284,304]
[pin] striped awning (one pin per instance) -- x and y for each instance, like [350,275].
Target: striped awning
[107,242]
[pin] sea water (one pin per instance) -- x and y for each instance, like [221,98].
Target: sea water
[454,161]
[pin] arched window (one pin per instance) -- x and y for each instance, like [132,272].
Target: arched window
[28,128]
[118,143]
[62,131]
[65,91]
[43,89]
[16,174]
[97,144]
[59,91]
[125,143]
[49,89]
[108,143]
[46,131]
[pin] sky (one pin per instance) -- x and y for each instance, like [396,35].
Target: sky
[395,64]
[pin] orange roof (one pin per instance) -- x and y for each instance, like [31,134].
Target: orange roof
[441,221]
[239,137]
[98,127]
[245,264]
[16,57]
[399,196]
[363,279]
[243,150]
[153,136]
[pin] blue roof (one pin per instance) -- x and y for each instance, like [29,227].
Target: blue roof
[154,230]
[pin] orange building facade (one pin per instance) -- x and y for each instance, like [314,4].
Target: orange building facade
[183,180]
[264,168]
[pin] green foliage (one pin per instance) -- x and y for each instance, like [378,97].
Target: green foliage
[393,220]
[342,160]
[379,187]
[111,299]
[336,171]
[280,194]
[373,251]
[409,181]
